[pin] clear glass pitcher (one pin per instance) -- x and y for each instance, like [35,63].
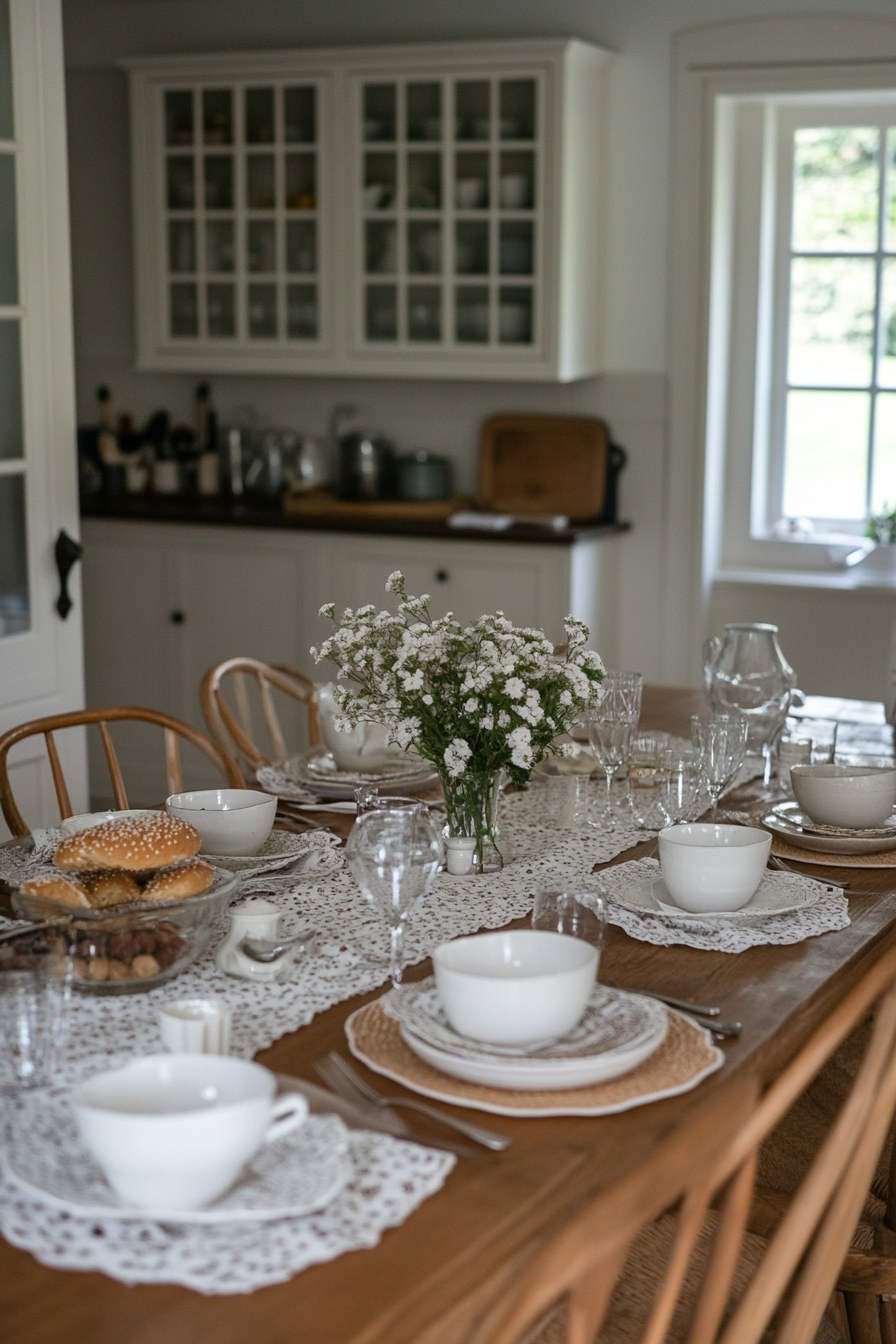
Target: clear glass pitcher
[746,671]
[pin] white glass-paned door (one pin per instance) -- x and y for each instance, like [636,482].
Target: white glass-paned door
[14,597]
[40,652]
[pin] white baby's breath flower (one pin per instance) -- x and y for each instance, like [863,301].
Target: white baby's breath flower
[413,681]
[520,743]
[567,749]
[514,687]
[471,705]
[395,582]
[427,699]
[328,609]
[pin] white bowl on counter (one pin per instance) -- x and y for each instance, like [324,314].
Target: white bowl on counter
[230,821]
[711,869]
[855,796]
[519,987]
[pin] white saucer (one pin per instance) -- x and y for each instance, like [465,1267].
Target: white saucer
[298,1174]
[793,814]
[773,898]
[281,849]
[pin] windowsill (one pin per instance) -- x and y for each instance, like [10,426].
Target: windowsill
[840,580]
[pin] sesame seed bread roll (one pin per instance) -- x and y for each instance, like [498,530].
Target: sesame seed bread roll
[55,887]
[138,843]
[176,884]
[110,888]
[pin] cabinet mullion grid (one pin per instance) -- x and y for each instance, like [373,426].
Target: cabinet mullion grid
[449,280]
[240,214]
[401,212]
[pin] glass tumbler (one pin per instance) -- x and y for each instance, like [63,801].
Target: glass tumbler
[644,781]
[578,913]
[679,786]
[36,973]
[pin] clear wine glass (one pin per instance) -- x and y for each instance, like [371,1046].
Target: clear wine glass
[721,742]
[611,727]
[394,856]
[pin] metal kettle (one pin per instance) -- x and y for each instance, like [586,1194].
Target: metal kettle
[366,466]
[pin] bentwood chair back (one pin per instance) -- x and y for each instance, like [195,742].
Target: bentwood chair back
[233,728]
[706,1174]
[174,730]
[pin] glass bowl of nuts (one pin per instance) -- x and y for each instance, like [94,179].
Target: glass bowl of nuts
[134,946]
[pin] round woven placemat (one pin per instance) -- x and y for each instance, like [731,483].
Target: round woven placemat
[785,850]
[684,1059]
[886,858]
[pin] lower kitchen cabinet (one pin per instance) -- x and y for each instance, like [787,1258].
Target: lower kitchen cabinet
[163,602]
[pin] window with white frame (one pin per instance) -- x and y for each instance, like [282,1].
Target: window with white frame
[801,411]
[832,442]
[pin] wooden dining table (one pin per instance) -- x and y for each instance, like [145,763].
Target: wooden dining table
[426,1280]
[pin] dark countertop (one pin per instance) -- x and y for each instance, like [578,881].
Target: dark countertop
[228,512]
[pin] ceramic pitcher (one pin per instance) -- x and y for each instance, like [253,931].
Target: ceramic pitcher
[746,671]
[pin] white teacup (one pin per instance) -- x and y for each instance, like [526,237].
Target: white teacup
[174,1131]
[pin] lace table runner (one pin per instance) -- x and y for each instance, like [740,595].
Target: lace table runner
[830,911]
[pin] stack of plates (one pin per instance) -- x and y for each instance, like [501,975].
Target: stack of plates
[792,824]
[317,771]
[617,1033]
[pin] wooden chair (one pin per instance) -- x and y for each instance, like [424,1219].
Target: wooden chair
[706,1173]
[236,730]
[174,729]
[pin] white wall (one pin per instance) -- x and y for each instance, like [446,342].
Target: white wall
[439,416]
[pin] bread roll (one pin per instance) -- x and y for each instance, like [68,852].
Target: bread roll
[110,888]
[55,887]
[175,884]
[139,843]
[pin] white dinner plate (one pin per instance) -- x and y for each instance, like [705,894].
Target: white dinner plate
[613,1019]
[298,1174]
[623,1030]
[317,771]
[792,814]
[826,844]
[772,898]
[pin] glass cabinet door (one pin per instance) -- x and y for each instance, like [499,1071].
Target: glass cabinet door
[241,176]
[15,605]
[449,209]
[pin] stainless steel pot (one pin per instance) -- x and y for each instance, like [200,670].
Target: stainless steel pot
[366,467]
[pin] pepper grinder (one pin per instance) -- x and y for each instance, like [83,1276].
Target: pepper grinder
[256,918]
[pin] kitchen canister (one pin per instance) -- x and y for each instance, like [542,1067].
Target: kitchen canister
[422,475]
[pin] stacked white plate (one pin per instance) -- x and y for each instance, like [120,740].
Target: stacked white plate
[617,1033]
[317,771]
[790,822]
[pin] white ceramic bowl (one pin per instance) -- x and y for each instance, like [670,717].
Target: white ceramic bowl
[84,820]
[518,987]
[709,868]
[174,1131]
[845,795]
[230,821]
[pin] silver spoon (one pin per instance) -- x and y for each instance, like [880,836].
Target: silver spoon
[267,949]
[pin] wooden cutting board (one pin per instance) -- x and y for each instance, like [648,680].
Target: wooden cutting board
[543,464]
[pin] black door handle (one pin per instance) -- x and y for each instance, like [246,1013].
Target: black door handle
[67,551]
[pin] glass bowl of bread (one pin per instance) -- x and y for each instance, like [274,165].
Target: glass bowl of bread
[141,906]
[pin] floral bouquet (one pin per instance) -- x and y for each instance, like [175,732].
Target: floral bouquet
[476,702]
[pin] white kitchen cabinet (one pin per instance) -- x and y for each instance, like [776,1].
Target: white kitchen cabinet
[163,602]
[428,210]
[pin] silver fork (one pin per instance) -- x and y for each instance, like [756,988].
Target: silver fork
[775,862]
[487,1137]
[379,1118]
